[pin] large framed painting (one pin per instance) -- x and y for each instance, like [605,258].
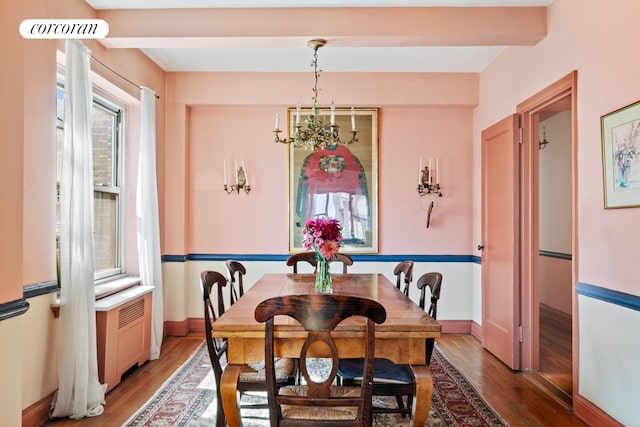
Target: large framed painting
[338,182]
[621,157]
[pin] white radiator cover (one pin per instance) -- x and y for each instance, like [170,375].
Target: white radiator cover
[123,332]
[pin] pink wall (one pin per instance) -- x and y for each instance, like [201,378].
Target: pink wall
[232,114]
[11,161]
[607,80]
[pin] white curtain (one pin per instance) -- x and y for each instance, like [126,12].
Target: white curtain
[80,393]
[148,218]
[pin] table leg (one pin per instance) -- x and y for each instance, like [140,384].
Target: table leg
[229,391]
[424,393]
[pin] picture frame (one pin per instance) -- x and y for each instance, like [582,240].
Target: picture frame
[621,157]
[339,182]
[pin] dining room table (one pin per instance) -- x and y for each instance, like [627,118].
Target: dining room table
[401,338]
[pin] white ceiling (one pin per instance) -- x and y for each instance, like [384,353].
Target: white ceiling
[273,54]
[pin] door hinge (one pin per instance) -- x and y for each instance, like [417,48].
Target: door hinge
[520,338]
[521,131]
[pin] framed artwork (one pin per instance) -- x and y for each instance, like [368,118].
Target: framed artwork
[339,182]
[621,157]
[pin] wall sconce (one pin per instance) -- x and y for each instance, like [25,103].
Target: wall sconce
[241,179]
[425,179]
[544,142]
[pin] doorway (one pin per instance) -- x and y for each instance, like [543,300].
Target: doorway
[554,241]
[528,272]
[548,235]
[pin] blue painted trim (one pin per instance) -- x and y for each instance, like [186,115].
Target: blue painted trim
[173,258]
[13,308]
[558,255]
[476,259]
[237,257]
[356,257]
[37,289]
[609,295]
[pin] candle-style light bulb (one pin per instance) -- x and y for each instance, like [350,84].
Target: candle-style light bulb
[298,114]
[353,119]
[277,120]
[333,114]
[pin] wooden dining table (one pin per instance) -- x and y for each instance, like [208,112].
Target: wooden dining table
[401,338]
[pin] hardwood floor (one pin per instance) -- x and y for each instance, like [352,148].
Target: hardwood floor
[518,400]
[555,348]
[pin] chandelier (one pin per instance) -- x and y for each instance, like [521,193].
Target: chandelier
[316,134]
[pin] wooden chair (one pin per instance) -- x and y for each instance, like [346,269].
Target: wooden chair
[310,258]
[252,377]
[404,268]
[320,403]
[433,281]
[236,287]
[391,379]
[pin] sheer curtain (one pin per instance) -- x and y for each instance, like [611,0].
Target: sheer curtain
[148,219]
[80,393]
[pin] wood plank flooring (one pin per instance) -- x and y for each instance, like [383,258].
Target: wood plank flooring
[555,348]
[518,400]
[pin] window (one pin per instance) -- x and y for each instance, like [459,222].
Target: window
[108,210]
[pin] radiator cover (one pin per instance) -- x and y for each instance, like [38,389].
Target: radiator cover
[123,333]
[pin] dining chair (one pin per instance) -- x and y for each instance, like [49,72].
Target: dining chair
[404,268]
[252,376]
[392,379]
[319,401]
[310,258]
[432,281]
[236,287]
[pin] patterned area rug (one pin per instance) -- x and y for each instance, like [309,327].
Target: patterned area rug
[187,399]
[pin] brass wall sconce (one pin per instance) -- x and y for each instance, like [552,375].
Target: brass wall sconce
[425,179]
[544,142]
[241,177]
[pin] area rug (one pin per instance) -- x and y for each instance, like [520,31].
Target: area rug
[187,398]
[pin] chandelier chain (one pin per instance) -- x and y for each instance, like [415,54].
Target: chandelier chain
[317,135]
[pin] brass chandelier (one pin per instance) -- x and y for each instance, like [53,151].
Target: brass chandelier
[316,134]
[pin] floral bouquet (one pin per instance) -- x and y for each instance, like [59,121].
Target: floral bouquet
[323,235]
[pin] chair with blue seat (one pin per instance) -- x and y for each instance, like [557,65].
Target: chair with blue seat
[404,274]
[392,379]
[310,258]
[235,274]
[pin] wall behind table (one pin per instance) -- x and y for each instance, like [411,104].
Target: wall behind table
[456,301]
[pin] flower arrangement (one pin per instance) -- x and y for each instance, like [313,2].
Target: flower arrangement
[323,235]
[626,152]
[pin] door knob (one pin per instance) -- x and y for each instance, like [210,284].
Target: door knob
[480,247]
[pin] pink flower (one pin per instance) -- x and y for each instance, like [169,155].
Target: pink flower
[329,249]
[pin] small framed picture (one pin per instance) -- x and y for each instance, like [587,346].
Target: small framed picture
[621,157]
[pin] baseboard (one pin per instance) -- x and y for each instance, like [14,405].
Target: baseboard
[196,324]
[476,331]
[176,329]
[555,314]
[38,413]
[591,414]
[455,326]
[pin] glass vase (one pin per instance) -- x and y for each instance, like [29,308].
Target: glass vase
[323,276]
